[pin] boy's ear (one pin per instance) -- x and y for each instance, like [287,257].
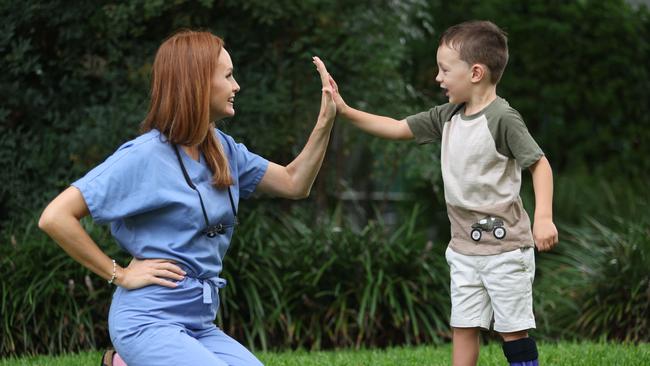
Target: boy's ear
[479,72]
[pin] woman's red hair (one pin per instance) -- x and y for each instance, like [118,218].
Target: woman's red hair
[180,97]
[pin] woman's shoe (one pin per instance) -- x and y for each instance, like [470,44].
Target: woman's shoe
[112,358]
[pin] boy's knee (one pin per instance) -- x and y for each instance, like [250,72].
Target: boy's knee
[520,350]
[513,336]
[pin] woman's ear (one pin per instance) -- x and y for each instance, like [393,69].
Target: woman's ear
[479,72]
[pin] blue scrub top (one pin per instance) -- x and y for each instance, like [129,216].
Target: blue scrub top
[140,190]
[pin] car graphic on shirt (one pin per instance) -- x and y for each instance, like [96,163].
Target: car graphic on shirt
[488,223]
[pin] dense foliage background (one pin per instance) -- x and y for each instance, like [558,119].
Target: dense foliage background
[360,262]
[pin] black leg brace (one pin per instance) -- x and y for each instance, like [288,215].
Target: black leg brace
[520,350]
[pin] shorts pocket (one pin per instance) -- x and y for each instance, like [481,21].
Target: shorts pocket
[528,260]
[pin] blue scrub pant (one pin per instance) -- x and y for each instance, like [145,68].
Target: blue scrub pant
[156,325]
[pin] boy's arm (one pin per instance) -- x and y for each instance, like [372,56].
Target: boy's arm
[544,231]
[386,127]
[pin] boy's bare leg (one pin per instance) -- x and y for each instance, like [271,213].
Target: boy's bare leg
[465,346]
[514,336]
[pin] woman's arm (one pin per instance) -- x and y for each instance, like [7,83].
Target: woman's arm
[60,220]
[295,180]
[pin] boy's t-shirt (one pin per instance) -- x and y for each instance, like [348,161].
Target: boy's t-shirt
[482,156]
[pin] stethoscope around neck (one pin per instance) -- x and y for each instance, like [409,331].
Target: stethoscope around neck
[210,230]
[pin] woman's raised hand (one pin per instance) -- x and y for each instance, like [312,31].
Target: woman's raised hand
[141,273]
[327,105]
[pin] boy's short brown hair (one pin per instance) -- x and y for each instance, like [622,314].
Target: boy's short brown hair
[479,41]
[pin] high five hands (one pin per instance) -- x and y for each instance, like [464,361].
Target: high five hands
[327,104]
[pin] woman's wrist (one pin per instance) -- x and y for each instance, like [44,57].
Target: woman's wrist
[119,276]
[324,122]
[113,273]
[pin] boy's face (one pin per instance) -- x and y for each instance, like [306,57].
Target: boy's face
[454,75]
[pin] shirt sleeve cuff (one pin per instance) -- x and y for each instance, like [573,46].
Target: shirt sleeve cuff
[257,179]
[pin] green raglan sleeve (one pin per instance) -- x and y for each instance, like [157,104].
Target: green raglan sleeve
[427,126]
[514,140]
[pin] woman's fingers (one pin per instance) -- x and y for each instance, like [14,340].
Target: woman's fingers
[167,274]
[167,264]
[320,65]
[146,272]
[322,70]
[162,282]
[172,268]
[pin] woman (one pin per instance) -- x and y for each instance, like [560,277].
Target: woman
[171,197]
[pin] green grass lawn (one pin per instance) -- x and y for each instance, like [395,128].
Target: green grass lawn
[566,354]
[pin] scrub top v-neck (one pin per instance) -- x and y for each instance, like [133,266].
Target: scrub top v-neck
[141,191]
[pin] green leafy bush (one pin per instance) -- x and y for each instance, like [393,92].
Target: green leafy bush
[596,282]
[615,302]
[291,284]
[50,303]
[324,285]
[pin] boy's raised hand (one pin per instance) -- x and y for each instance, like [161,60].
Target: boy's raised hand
[327,105]
[340,103]
[385,127]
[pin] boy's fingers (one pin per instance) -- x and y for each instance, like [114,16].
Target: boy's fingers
[333,83]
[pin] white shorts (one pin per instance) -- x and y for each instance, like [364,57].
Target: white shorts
[498,286]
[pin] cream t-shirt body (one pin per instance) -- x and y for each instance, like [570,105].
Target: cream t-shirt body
[481,157]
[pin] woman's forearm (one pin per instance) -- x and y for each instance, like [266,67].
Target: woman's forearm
[66,230]
[304,168]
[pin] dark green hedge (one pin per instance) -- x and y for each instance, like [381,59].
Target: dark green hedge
[75,82]
[75,78]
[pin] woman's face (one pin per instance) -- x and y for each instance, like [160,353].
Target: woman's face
[224,88]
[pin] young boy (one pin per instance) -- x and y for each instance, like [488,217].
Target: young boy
[484,146]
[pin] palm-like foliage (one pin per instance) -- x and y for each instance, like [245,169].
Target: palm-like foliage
[322,285]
